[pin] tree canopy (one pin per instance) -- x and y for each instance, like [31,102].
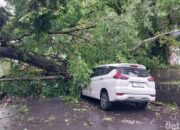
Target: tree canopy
[69,37]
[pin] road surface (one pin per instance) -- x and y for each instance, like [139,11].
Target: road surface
[54,114]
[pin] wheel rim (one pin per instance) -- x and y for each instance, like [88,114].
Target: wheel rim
[104,100]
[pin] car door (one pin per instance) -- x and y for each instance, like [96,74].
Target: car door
[96,82]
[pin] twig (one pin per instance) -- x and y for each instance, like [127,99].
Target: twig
[21,37]
[80,37]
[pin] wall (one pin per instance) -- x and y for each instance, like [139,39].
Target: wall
[169,93]
[168,85]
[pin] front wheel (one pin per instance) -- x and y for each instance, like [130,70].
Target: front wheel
[104,101]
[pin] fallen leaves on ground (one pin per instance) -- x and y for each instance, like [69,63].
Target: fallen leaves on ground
[131,122]
[23,109]
[88,123]
[80,110]
[108,119]
[50,118]
[66,120]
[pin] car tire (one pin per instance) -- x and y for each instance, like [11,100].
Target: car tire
[104,101]
[142,105]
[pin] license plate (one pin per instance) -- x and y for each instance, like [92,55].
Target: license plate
[138,85]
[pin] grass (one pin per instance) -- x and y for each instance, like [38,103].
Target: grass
[70,99]
[172,106]
[23,109]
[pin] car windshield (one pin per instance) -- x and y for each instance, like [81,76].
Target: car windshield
[134,72]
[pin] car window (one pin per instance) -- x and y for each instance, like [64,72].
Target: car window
[101,71]
[96,72]
[109,69]
[134,72]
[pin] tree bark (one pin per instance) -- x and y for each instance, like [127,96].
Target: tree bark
[34,60]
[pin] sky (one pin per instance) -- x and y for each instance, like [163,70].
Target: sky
[2,3]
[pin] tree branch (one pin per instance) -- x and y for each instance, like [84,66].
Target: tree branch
[152,39]
[21,37]
[30,79]
[71,31]
[79,37]
[34,60]
[68,32]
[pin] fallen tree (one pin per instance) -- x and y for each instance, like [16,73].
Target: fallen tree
[50,66]
[34,60]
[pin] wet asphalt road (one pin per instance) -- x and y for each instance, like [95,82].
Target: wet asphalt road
[53,114]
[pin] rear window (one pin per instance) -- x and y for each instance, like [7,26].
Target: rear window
[134,72]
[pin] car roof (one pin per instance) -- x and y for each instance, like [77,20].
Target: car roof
[123,65]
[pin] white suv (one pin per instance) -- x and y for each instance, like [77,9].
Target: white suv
[121,82]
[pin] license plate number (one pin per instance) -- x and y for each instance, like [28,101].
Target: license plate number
[138,85]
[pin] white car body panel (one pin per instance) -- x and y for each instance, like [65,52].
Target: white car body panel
[133,89]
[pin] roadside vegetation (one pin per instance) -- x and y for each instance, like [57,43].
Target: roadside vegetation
[66,39]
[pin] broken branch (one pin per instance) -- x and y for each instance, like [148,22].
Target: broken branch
[152,39]
[30,79]
[34,60]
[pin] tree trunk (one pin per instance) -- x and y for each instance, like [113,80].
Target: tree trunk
[30,78]
[34,60]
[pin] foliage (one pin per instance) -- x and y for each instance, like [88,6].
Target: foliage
[57,30]
[52,88]
[4,68]
[80,73]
